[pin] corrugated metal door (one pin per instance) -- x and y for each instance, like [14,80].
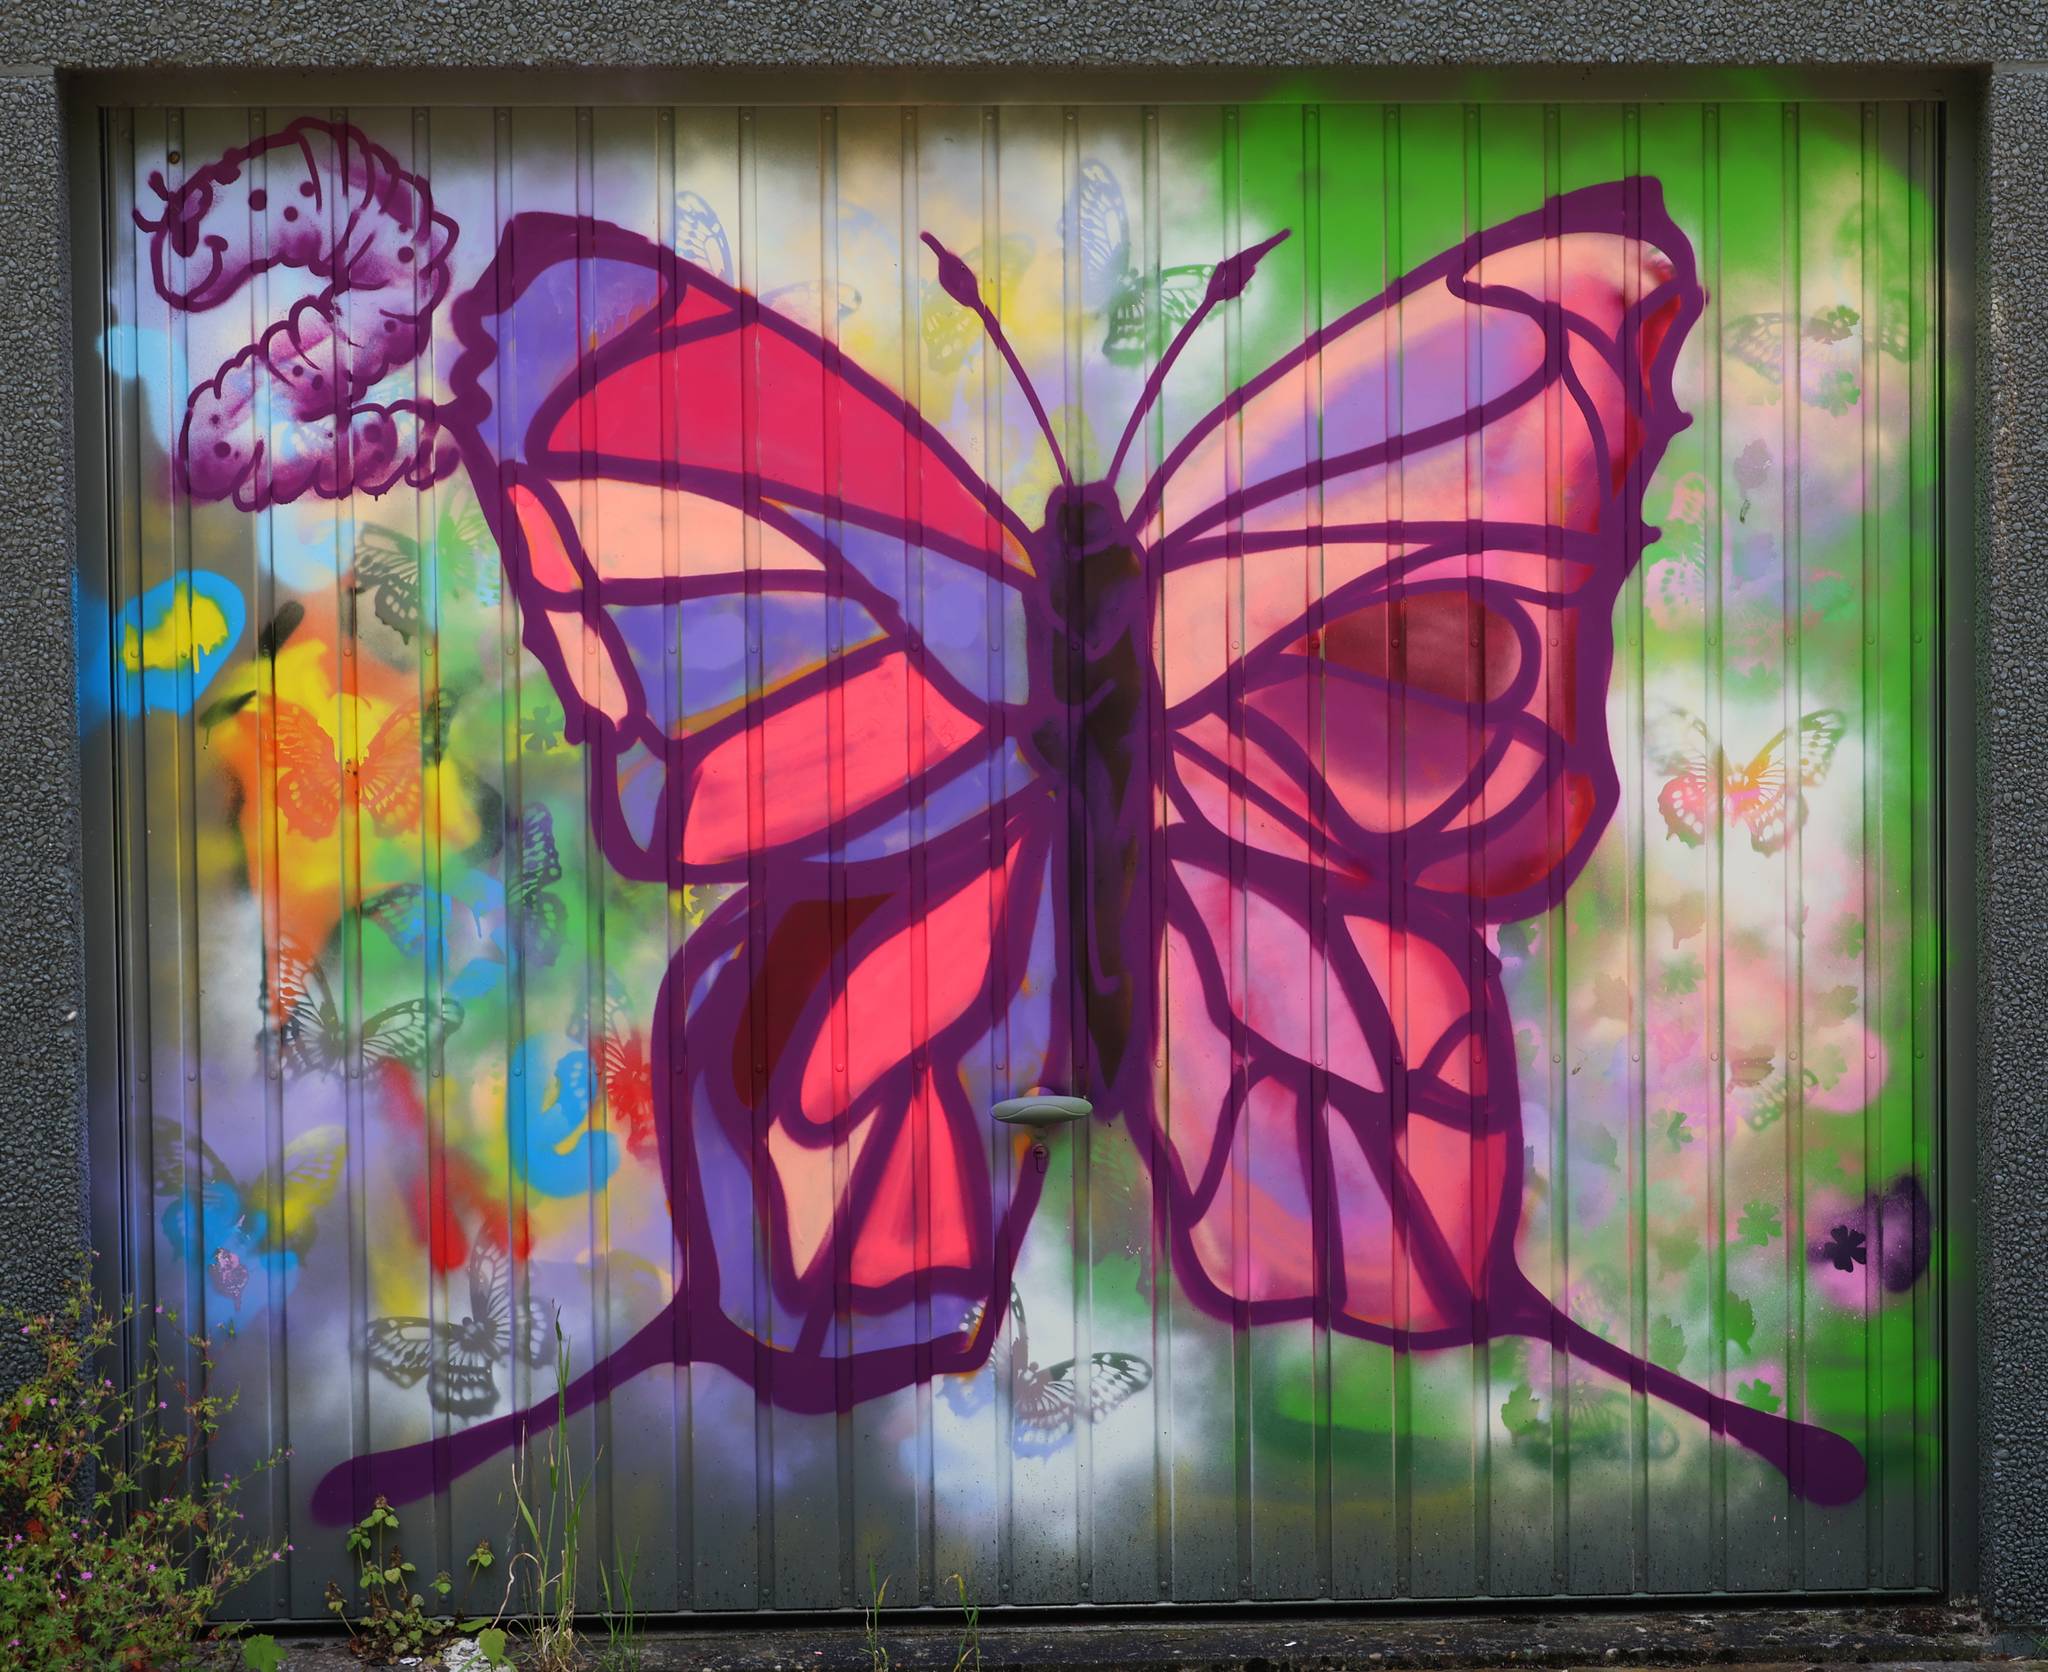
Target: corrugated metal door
[657,663]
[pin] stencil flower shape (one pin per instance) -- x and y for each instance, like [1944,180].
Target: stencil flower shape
[1845,1248]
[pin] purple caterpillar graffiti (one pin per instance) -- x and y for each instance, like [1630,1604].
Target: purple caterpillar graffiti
[319,198]
[1074,792]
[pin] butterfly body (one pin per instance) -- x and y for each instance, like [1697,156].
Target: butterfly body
[1098,609]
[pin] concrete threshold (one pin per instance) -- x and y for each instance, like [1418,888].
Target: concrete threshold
[1794,1640]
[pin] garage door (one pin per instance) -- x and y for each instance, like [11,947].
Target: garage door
[1172,852]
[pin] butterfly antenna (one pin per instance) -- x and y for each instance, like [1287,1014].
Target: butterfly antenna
[1225,284]
[956,279]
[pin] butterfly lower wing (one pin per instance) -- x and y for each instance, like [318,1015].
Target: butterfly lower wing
[831,1118]
[1291,1180]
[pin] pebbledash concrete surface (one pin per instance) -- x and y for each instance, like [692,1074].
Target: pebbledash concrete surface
[1998,976]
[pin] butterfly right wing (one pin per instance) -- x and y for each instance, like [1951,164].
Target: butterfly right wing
[1774,804]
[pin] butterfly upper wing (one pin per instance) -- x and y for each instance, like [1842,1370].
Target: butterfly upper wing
[411,1031]
[714,475]
[1473,503]
[1099,223]
[314,1166]
[1113,1378]
[1758,341]
[700,236]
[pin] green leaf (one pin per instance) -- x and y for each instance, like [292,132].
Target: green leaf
[1596,1144]
[1759,1223]
[1518,1414]
[1837,1004]
[1676,1133]
[1667,1343]
[1676,1250]
[492,1642]
[1757,1395]
[261,1654]
[1738,1320]
[1683,974]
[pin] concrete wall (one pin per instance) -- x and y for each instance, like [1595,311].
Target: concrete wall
[42,974]
[2011,856]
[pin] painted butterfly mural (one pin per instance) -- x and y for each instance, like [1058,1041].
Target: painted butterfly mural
[1059,794]
[1766,793]
[1047,1402]
[252,1236]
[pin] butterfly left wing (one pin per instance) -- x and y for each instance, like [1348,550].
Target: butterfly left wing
[734,549]
[388,569]
[1687,800]
[1099,226]
[400,1348]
